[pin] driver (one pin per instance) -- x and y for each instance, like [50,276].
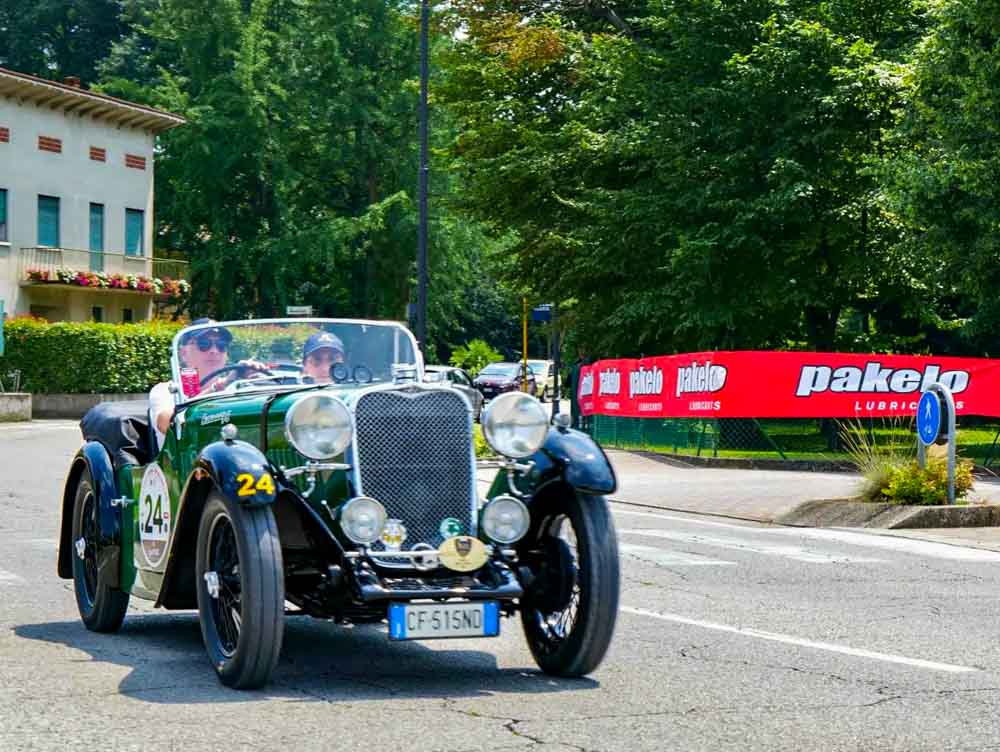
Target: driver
[206,351]
[321,351]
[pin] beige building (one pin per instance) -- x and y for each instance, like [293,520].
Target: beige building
[76,203]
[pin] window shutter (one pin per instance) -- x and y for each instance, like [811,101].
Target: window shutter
[3,215]
[48,221]
[133,232]
[97,237]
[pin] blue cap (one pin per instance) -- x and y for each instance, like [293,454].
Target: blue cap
[321,340]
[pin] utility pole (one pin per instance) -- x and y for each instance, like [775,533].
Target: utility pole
[422,186]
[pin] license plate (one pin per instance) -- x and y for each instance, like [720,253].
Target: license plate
[427,621]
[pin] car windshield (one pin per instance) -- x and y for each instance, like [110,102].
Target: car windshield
[265,353]
[537,367]
[499,369]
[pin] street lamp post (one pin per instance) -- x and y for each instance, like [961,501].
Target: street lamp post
[422,186]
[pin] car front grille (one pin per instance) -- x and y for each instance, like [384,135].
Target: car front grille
[413,451]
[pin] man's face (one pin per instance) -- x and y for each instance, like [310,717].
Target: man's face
[205,353]
[318,363]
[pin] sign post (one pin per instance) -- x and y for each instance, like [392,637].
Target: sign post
[524,353]
[936,425]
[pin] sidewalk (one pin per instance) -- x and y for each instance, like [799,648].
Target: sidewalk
[767,496]
[758,495]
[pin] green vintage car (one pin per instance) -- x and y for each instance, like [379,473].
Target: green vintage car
[349,496]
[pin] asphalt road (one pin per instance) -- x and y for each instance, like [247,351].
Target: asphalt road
[731,636]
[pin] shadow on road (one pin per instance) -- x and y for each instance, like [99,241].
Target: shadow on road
[319,662]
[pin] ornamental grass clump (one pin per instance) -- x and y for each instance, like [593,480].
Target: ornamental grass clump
[886,458]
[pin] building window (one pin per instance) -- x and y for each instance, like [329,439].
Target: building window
[97,313]
[4,135]
[3,215]
[133,232]
[48,221]
[97,237]
[135,162]
[127,316]
[98,154]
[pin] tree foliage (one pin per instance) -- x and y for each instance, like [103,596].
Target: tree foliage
[701,178]
[293,181]
[56,38]
[675,174]
[942,177]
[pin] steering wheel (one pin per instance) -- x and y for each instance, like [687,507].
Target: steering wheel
[235,367]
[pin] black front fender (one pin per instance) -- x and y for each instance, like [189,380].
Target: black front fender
[94,457]
[229,467]
[575,458]
[228,463]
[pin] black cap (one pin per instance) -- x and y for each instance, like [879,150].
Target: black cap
[219,331]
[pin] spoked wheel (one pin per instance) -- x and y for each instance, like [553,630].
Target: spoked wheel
[241,591]
[569,610]
[102,608]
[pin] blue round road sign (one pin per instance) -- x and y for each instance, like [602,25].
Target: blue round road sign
[928,418]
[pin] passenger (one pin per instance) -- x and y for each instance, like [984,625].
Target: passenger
[322,350]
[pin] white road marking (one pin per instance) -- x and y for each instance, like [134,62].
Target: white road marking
[54,425]
[6,576]
[791,640]
[796,553]
[891,543]
[670,558]
[837,535]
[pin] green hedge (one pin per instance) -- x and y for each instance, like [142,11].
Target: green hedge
[87,358]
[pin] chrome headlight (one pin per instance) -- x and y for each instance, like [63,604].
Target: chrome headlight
[319,426]
[515,424]
[505,519]
[362,520]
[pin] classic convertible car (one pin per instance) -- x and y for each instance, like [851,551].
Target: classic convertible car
[351,497]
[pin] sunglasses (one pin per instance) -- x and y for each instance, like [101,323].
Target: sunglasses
[207,343]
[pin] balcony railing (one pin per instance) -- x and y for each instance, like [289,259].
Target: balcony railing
[52,259]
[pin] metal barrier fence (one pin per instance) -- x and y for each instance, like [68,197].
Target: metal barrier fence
[803,439]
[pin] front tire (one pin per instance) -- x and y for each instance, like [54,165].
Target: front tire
[241,591]
[102,608]
[569,610]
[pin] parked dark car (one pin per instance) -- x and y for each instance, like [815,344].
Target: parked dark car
[458,379]
[499,378]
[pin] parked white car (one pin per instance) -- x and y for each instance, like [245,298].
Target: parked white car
[545,378]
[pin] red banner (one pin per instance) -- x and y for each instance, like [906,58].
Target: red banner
[752,384]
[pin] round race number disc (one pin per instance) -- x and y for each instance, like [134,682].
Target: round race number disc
[154,515]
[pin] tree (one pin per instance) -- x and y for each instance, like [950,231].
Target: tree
[942,178]
[56,38]
[698,180]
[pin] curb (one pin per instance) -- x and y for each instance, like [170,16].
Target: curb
[746,463]
[850,513]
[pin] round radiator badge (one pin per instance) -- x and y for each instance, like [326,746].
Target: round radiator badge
[450,527]
[463,553]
